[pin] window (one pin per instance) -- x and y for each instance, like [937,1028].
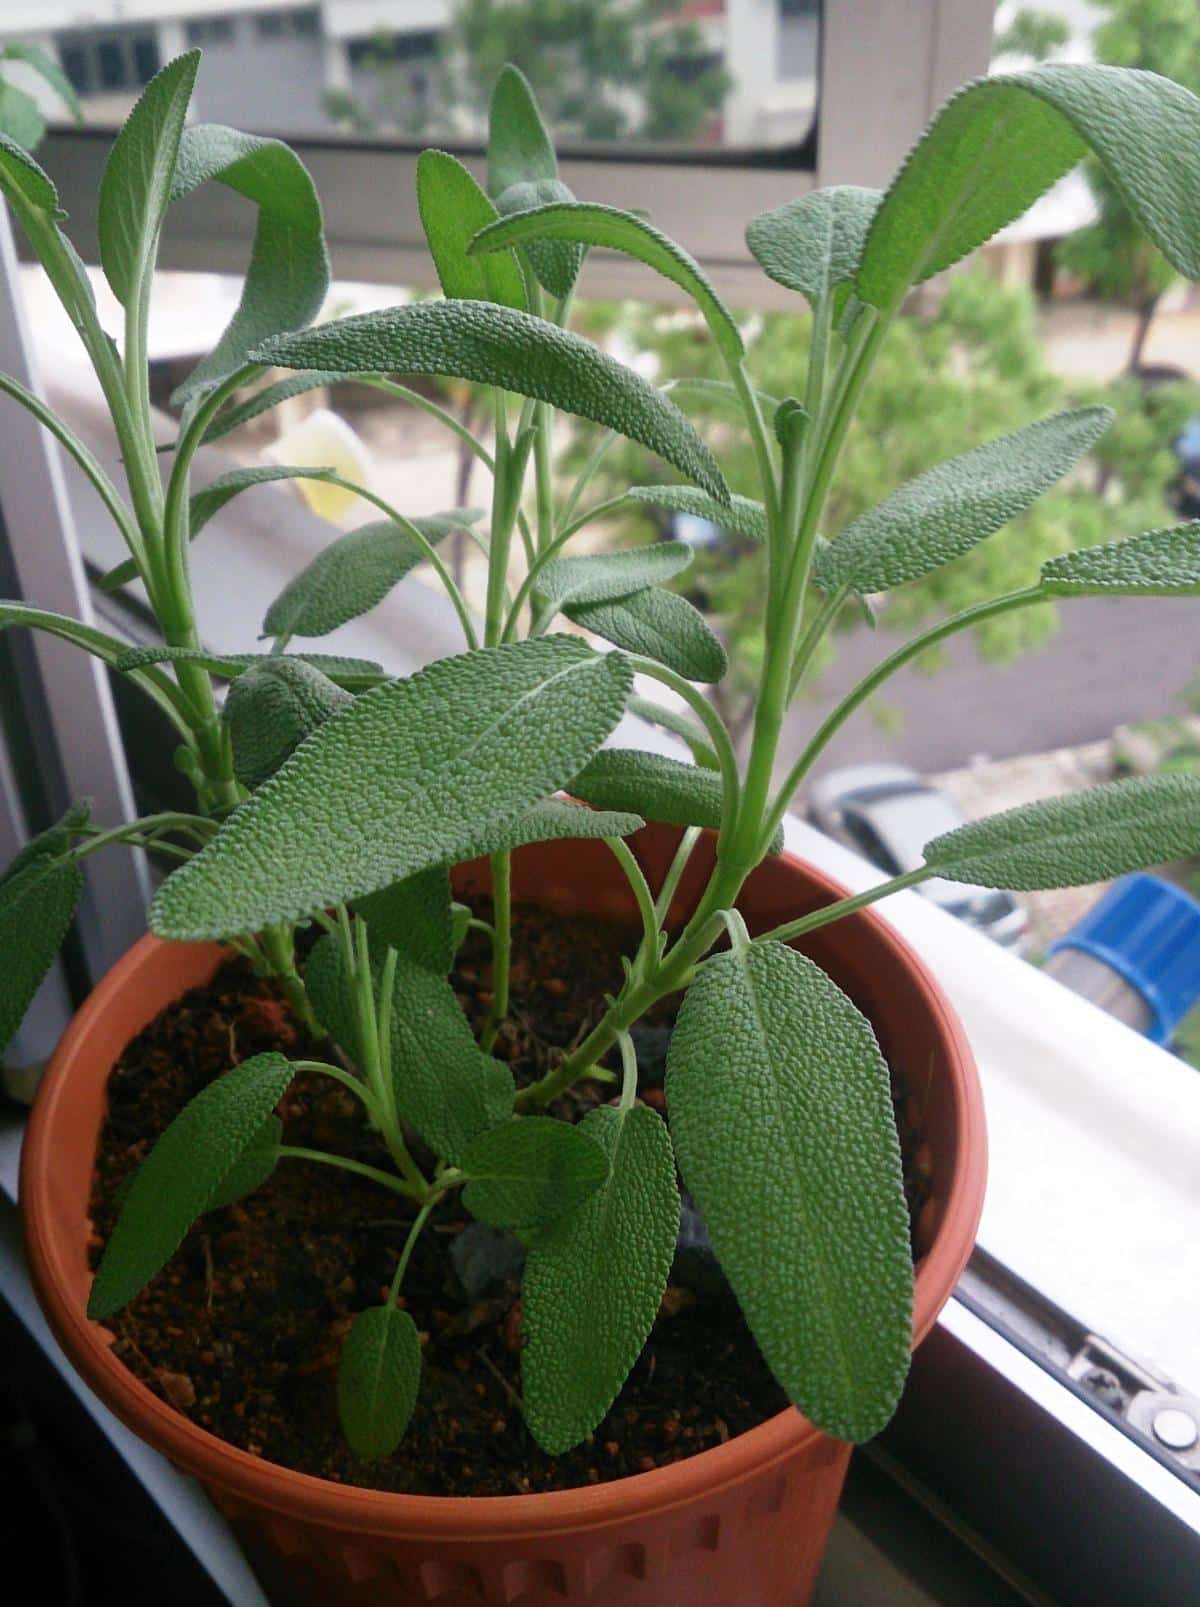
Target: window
[281,24]
[110,63]
[211,31]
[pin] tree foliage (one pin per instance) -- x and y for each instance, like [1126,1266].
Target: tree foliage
[599,71]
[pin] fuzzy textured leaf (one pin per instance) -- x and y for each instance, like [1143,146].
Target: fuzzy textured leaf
[660,625]
[355,674]
[531,1173]
[781,1113]
[253,1166]
[492,345]
[679,724]
[1160,563]
[51,843]
[413,916]
[443,1082]
[949,509]
[38,896]
[182,1173]
[135,188]
[741,516]
[598,577]
[657,787]
[271,709]
[1001,142]
[555,263]
[353,574]
[289,265]
[432,765]
[453,210]
[105,647]
[24,180]
[262,401]
[213,497]
[814,244]
[587,223]
[1084,837]
[519,147]
[592,1289]
[379,1374]
[552,819]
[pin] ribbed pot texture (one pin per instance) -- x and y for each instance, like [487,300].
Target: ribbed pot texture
[743,1525]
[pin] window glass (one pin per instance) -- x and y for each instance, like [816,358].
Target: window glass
[676,75]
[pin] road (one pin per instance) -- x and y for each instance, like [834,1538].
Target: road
[1112,662]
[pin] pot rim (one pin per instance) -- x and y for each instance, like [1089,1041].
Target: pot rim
[376,1512]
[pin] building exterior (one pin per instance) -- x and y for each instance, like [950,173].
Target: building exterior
[276,62]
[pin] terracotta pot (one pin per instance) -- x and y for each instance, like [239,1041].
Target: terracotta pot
[744,1523]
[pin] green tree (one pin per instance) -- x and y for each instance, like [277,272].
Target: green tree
[600,71]
[976,363]
[1112,255]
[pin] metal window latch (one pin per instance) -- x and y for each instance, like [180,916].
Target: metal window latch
[1153,1407]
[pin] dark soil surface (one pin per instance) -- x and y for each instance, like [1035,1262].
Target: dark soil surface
[242,1330]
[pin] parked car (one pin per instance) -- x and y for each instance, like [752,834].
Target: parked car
[887,813]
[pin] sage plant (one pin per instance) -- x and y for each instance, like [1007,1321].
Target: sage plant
[780,1114]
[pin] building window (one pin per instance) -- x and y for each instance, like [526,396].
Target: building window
[300,24]
[113,62]
[210,31]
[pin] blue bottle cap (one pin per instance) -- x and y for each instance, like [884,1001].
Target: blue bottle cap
[1148,931]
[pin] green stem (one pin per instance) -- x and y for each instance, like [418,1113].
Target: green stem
[814,635]
[586,475]
[675,870]
[871,683]
[845,906]
[715,729]
[501,947]
[279,946]
[347,1079]
[414,1233]
[198,826]
[295,1152]
[543,558]
[629,1073]
[635,876]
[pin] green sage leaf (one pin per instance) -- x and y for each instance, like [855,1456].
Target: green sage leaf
[135,188]
[499,346]
[552,819]
[587,223]
[680,726]
[262,401]
[660,625]
[253,1166]
[655,786]
[741,516]
[47,68]
[38,895]
[51,843]
[355,674]
[555,263]
[213,497]
[949,509]
[413,916]
[379,1374]
[355,573]
[1084,837]
[23,180]
[432,764]
[182,1173]
[289,265]
[20,116]
[453,209]
[591,1290]
[271,709]
[598,577]
[531,1173]
[781,1114]
[97,642]
[519,145]
[814,245]
[443,1083]
[1160,563]
[1001,142]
